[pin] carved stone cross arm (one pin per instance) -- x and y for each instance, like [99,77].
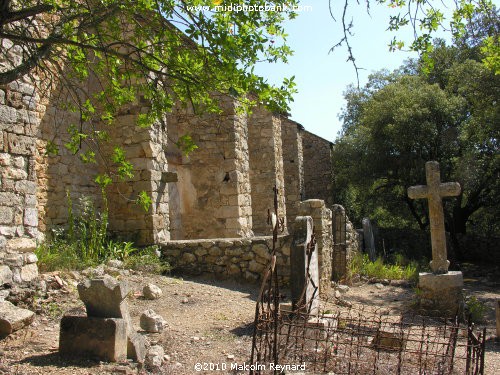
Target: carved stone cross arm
[446,189]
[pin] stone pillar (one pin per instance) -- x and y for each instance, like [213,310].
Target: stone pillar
[291,133]
[304,275]
[322,219]
[21,110]
[211,198]
[266,167]
[318,174]
[144,149]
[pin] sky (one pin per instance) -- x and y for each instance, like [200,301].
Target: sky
[322,77]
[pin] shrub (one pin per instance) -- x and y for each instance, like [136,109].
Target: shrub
[85,242]
[475,309]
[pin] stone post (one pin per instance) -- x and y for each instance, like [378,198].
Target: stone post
[322,220]
[304,281]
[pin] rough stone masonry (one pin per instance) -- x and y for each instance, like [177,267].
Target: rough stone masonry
[220,191]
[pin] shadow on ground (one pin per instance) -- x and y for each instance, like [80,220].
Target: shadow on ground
[54,359]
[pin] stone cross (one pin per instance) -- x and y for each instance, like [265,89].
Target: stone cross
[434,191]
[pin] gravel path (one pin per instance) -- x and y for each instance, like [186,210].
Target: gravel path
[208,322]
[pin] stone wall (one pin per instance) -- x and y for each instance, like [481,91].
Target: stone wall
[318,174]
[322,220]
[293,164]
[236,258]
[61,175]
[212,195]
[21,111]
[266,167]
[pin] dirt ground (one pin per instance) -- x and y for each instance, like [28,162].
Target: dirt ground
[208,322]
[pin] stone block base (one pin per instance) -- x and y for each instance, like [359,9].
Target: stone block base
[102,338]
[440,294]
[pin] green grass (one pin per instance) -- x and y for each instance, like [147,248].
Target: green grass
[84,242]
[400,269]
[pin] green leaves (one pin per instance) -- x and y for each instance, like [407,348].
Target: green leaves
[123,167]
[144,201]
[186,144]
[445,109]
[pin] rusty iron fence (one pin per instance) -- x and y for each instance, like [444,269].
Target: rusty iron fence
[366,342]
[356,340]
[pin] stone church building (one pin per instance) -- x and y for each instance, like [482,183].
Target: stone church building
[222,190]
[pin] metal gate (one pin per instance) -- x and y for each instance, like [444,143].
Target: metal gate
[339,233]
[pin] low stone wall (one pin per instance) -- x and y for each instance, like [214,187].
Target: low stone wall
[235,258]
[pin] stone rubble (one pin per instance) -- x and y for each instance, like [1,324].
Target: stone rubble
[154,358]
[152,292]
[152,322]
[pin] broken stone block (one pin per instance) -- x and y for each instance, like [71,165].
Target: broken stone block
[102,338]
[154,358]
[5,275]
[152,322]
[151,291]
[103,297]
[136,347]
[13,318]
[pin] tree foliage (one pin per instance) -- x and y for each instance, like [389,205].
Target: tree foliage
[134,51]
[425,18]
[402,119]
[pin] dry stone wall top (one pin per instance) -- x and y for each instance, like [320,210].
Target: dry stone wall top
[236,258]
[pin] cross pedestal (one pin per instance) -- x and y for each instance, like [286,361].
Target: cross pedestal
[440,291]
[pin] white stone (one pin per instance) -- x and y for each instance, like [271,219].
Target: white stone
[29,272]
[152,322]
[30,258]
[115,263]
[14,260]
[151,291]
[31,217]
[5,275]
[154,357]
